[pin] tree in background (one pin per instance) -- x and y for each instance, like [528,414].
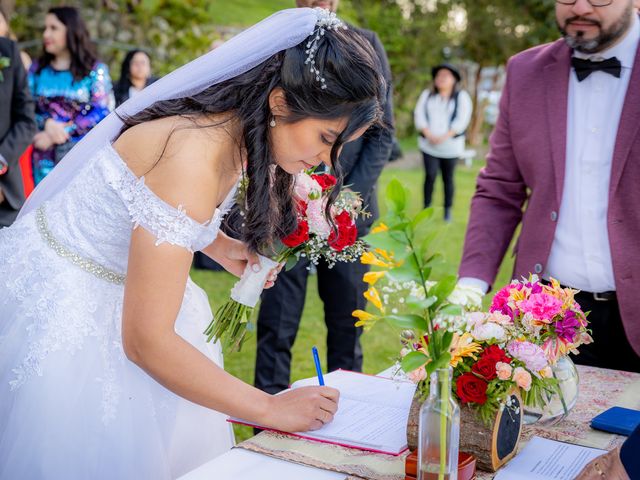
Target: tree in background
[417,34]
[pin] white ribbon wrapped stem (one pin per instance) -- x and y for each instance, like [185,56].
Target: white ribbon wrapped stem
[247,290]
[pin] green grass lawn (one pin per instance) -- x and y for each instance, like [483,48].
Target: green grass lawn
[380,345]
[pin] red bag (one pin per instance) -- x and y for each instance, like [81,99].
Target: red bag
[27,171]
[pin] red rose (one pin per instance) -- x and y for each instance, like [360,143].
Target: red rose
[301,208]
[496,353]
[471,389]
[485,367]
[325,180]
[347,232]
[298,237]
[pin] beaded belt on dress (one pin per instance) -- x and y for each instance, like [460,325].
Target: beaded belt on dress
[86,264]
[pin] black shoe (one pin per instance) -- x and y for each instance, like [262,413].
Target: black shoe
[447,215]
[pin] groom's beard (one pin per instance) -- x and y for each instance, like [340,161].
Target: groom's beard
[603,41]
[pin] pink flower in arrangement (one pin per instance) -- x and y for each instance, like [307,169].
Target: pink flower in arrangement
[317,219]
[542,306]
[417,375]
[522,378]
[567,328]
[500,302]
[532,355]
[305,186]
[500,318]
[504,370]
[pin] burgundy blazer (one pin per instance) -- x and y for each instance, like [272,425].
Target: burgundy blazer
[525,166]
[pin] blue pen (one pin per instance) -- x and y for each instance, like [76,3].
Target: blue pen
[316,359]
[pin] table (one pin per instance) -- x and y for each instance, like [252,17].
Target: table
[599,390]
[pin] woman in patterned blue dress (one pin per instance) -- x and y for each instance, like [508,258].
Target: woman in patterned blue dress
[71,88]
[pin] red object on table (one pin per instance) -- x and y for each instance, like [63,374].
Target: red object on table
[466,467]
[27,171]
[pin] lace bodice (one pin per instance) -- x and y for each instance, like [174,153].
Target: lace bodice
[94,216]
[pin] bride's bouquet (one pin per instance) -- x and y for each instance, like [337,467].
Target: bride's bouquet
[315,238]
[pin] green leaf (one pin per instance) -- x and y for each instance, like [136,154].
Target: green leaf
[291,262]
[407,322]
[426,273]
[407,271]
[453,310]
[413,360]
[396,196]
[421,303]
[386,241]
[422,216]
[444,287]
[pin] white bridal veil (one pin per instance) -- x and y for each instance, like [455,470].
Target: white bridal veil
[278,32]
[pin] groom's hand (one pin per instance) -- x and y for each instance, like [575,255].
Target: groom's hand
[303,409]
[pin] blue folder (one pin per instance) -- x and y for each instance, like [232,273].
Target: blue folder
[618,420]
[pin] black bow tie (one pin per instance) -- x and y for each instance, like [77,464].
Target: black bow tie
[584,67]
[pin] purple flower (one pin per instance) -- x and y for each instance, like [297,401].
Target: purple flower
[566,329]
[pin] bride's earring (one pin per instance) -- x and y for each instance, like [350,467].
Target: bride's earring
[272,123]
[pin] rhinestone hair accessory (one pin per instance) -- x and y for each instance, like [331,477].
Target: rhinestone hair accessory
[326,21]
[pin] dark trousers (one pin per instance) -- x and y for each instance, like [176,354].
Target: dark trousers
[341,290]
[447,167]
[610,347]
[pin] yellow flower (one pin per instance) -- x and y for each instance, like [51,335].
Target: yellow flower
[384,254]
[372,277]
[381,227]
[368,258]
[364,318]
[463,346]
[374,297]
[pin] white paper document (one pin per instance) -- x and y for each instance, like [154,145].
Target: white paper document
[543,459]
[372,412]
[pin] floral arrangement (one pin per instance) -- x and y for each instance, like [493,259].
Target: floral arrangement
[529,326]
[316,238]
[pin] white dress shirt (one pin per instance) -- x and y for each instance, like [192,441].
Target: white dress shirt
[580,254]
[439,122]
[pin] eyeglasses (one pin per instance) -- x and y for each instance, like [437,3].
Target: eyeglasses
[593,3]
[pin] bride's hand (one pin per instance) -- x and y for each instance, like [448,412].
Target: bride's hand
[234,256]
[303,409]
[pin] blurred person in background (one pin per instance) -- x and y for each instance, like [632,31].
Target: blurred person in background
[442,116]
[71,88]
[17,126]
[5,31]
[135,75]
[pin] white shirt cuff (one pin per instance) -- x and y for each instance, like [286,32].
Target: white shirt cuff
[474,282]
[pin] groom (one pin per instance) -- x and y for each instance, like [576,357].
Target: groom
[341,288]
[565,163]
[17,127]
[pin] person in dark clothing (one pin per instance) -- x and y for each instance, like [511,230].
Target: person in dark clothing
[135,75]
[17,127]
[341,288]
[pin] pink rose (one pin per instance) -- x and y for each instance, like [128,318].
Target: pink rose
[546,372]
[305,186]
[522,378]
[504,370]
[532,355]
[542,306]
[417,375]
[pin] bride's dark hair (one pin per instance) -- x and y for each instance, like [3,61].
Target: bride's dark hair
[355,90]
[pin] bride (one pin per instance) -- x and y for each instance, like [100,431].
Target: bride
[104,369]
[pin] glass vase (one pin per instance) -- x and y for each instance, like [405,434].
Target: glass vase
[439,430]
[559,404]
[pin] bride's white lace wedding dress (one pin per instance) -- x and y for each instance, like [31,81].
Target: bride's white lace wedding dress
[72,406]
